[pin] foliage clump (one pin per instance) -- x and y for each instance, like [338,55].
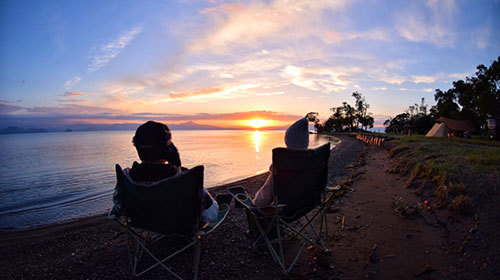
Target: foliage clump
[346,117]
[475,99]
[461,205]
[398,149]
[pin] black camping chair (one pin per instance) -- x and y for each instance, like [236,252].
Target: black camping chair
[300,199]
[170,208]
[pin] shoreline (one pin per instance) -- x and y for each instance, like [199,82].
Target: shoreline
[69,224]
[96,248]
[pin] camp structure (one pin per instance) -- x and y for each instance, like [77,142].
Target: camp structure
[438,130]
[445,125]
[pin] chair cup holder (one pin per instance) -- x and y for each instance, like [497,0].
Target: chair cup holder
[223,207]
[241,197]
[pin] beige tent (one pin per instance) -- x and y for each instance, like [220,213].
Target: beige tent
[441,129]
[457,125]
[438,130]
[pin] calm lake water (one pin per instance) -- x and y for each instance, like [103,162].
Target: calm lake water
[54,177]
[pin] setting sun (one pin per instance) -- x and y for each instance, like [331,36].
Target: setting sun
[258,123]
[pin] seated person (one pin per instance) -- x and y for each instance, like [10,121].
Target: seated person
[159,160]
[296,137]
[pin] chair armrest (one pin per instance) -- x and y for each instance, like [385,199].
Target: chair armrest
[242,198]
[114,213]
[224,201]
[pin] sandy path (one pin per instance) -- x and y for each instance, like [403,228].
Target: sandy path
[405,247]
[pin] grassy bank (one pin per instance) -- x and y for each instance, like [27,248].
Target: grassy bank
[458,169]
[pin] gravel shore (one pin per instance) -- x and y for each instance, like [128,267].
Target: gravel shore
[96,248]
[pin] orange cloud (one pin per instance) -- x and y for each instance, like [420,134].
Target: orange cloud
[196,92]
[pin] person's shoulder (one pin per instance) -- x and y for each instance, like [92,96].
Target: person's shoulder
[135,165]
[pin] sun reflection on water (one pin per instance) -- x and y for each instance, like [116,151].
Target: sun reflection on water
[256,140]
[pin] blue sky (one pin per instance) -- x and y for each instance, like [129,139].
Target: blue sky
[222,62]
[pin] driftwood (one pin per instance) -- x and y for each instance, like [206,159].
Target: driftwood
[371,257]
[427,269]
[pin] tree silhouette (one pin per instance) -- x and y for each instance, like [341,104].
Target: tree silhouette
[478,97]
[347,117]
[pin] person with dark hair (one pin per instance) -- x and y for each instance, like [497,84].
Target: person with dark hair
[159,156]
[159,160]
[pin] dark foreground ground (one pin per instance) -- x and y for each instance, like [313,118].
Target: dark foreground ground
[367,237]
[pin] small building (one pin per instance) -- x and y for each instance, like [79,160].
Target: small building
[494,129]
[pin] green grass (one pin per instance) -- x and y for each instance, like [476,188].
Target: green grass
[476,140]
[447,159]
[459,168]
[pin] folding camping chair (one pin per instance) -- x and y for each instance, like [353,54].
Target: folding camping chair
[170,208]
[300,200]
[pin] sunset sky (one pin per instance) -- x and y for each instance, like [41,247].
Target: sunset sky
[226,62]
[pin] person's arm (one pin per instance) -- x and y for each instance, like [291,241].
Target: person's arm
[210,208]
[265,195]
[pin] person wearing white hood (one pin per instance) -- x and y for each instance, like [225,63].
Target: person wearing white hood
[296,137]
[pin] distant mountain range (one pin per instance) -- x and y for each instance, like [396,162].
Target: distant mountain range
[115,127]
[17,130]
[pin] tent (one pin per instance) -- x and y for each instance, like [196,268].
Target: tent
[457,125]
[438,130]
[446,125]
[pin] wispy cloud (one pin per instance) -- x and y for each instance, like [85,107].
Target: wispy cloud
[315,79]
[74,93]
[72,100]
[72,109]
[424,79]
[109,51]
[213,92]
[69,97]
[6,108]
[393,79]
[417,89]
[226,75]
[194,93]
[460,76]
[70,83]
[271,93]
[376,34]
[247,24]
[431,22]
[481,36]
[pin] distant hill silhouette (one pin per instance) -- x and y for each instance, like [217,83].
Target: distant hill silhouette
[190,125]
[133,126]
[193,125]
[18,130]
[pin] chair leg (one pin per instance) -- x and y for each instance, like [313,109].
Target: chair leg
[197,253]
[134,252]
[279,243]
[141,246]
[297,256]
[280,259]
[325,222]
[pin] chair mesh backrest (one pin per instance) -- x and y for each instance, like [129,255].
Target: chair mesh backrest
[171,205]
[300,176]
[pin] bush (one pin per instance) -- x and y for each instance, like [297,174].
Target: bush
[398,149]
[461,205]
